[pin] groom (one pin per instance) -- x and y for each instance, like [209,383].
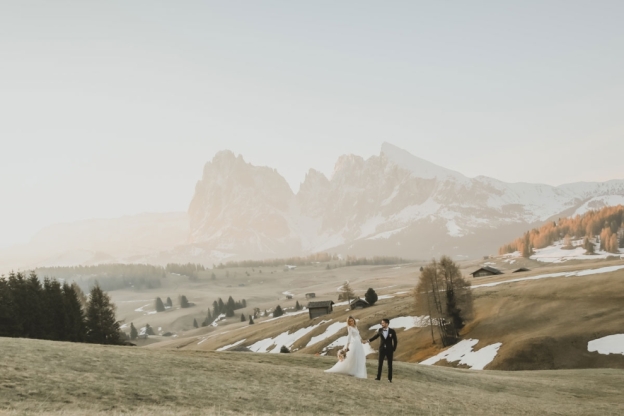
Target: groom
[387,346]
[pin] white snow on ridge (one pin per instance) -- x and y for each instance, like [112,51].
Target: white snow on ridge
[406,322]
[462,352]
[141,308]
[599,202]
[231,345]
[329,331]
[586,272]
[612,344]
[284,339]
[220,317]
[557,254]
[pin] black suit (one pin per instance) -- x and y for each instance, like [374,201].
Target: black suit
[387,346]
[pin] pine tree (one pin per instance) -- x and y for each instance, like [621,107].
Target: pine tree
[221,306]
[213,276]
[184,303]
[278,311]
[160,306]
[54,318]
[169,302]
[101,325]
[244,303]
[588,246]
[36,318]
[297,306]
[20,312]
[230,307]
[7,321]
[195,323]
[208,320]
[149,330]
[74,315]
[133,332]
[371,296]
[243,319]
[251,321]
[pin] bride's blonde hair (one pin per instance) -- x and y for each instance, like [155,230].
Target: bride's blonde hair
[349,318]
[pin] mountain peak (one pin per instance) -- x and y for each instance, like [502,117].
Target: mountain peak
[420,168]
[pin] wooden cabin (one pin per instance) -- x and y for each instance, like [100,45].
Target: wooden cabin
[521,269]
[320,308]
[486,271]
[310,295]
[359,304]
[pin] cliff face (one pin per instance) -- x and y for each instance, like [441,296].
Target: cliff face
[392,204]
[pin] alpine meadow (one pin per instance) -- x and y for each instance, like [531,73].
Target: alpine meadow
[311,208]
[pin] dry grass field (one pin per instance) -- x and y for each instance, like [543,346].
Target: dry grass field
[542,324]
[42,377]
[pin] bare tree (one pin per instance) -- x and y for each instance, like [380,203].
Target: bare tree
[445,296]
[346,293]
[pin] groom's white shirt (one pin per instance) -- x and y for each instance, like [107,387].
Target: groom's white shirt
[384,332]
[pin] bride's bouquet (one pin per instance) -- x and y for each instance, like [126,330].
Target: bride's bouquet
[342,354]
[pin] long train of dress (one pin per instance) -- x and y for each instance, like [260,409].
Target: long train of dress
[355,363]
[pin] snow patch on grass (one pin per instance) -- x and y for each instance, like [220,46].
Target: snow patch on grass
[611,344]
[284,339]
[231,345]
[462,352]
[329,331]
[586,272]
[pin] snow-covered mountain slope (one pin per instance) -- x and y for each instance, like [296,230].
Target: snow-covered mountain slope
[391,204]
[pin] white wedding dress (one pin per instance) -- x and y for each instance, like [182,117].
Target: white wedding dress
[355,363]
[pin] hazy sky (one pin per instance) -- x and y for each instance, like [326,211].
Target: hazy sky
[113,107]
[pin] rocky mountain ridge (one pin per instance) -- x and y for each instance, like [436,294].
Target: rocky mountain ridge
[393,204]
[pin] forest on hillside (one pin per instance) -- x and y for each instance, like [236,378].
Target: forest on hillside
[314,259]
[108,276]
[604,224]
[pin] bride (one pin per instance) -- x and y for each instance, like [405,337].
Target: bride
[355,362]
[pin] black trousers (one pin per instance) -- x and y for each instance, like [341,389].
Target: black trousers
[385,354]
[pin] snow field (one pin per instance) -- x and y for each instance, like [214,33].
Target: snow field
[462,352]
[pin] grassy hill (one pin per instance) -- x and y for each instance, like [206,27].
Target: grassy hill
[42,377]
[542,324]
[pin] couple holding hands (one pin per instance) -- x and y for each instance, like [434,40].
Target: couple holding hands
[352,358]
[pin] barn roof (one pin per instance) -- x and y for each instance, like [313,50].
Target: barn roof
[320,304]
[521,269]
[488,269]
[358,300]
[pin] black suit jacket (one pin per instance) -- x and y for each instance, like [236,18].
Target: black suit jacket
[388,344]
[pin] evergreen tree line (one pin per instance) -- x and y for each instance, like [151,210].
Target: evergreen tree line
[444,295]
[188,269]
[55,311]
[315,258]
[182,301]
[109,276]
[278,262]
[604,223]
[223,308]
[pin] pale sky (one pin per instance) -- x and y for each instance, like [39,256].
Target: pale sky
[112,108]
